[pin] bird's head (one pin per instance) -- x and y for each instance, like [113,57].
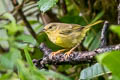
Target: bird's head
[50,28]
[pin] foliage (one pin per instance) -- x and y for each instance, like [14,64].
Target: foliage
[45,5]
[18,47]
[93,71]
[108,58]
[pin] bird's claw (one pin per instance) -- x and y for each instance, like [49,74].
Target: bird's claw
[57,52]
[67,54]
[53,53]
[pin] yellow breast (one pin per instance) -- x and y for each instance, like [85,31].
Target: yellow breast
[64,42]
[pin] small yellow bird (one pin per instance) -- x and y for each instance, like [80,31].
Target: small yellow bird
[68,36]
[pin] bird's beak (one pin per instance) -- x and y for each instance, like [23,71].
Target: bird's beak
[43,30]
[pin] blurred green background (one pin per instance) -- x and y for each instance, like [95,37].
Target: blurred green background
[18,47]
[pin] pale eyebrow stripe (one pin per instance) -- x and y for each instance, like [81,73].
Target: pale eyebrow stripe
[58,27]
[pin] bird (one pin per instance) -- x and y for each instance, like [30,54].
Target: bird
[68,36]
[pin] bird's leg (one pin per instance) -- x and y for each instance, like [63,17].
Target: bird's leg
[70,51]
[57,52]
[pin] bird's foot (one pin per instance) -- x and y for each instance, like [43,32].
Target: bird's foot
[68,53]
[57,52]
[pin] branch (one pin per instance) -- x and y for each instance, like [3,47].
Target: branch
[48,17]
[104,34]
[20,12]
[74,58]
[45,18]
[63,6]
[119,12]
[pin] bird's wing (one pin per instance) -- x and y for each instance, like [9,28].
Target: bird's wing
[77,27]
[70,29]
[66,32]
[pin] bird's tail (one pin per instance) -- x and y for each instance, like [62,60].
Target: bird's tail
[87,28]
[97,22]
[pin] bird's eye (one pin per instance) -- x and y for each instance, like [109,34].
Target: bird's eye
[50,27]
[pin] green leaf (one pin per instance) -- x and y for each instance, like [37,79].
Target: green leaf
[116,29]
[20,45]
[10,17]
[37,54]
[53,74]
[39,75]
[88,39]
[92,40]
[8,60]
[3,7]
[12,27]
[38,28]
[45,5]
[23,72]
[29,60]
[92,72]
[32,22]
[112,61]
[32,69]
[73,19]
[6,76]
[26,38]
[41,37]
[98,16]
[27,73]
[95,42]
[3,39]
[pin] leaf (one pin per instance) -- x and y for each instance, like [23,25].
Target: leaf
[12,27]
[26,38]
[6,76]
[116,29]
[26,73]
[95,42]
[32,69]
[28,58]
[112,61]
[88,39]
[92,72]
[38,28]
[92,40]
[3,7]
[23,72]
[20,45]
[73,20]
[53,74]
[37,54]
[3,39]
[45,5]
[98,16]
[10,17]
[41,37]
[30,21]
[8,60]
